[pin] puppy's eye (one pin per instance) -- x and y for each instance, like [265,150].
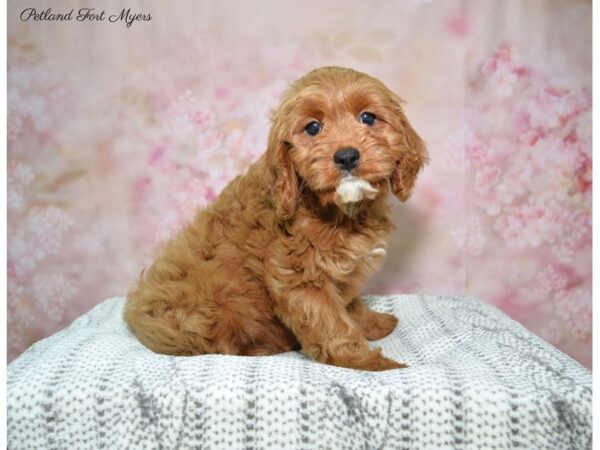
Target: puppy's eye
[367,118]
[313,128]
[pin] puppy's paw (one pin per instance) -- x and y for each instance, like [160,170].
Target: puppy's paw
[390,364]
[380,362]
[380,326]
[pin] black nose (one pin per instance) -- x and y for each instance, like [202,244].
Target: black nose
[347,158]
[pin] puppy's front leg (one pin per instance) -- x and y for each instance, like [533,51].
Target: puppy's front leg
[327,333]
[373,324]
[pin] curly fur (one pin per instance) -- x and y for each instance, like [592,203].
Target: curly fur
[277,261]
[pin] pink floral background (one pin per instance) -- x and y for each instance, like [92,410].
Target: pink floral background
[117,134]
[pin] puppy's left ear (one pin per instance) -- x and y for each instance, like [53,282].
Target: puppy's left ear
[281,176]
[411,158]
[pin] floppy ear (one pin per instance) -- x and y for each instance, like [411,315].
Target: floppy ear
[281,176]
[409,161]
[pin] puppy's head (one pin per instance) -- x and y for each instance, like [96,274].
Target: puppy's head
[342,135]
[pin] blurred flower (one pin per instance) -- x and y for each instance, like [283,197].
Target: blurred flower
[41,236]
[186,115]
[574,309]
[19,177]
[470,237]
[548,281]
[51,293]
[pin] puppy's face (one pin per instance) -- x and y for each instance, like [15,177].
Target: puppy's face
[343,135]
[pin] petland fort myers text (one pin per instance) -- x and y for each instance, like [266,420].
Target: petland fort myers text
[126,16]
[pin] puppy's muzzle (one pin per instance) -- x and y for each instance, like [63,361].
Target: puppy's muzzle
[346,158]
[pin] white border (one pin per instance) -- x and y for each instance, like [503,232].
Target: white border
[3,222]
[3,287]
[595,252]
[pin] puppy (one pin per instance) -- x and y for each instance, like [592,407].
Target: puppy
[277,261]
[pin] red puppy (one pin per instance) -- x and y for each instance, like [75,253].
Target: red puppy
[277,262]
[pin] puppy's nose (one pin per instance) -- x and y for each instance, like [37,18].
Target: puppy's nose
[346,158]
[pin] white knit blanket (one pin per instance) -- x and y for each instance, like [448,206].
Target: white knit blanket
[476,380]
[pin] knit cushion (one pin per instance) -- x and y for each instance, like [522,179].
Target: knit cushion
[477,379]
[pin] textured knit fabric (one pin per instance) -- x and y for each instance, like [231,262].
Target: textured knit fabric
[476,380]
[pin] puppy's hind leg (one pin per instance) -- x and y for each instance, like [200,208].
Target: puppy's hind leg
[167,318]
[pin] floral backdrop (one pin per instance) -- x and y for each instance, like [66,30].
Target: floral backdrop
[117,134]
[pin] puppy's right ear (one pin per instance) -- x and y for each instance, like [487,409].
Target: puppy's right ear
[281,176]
